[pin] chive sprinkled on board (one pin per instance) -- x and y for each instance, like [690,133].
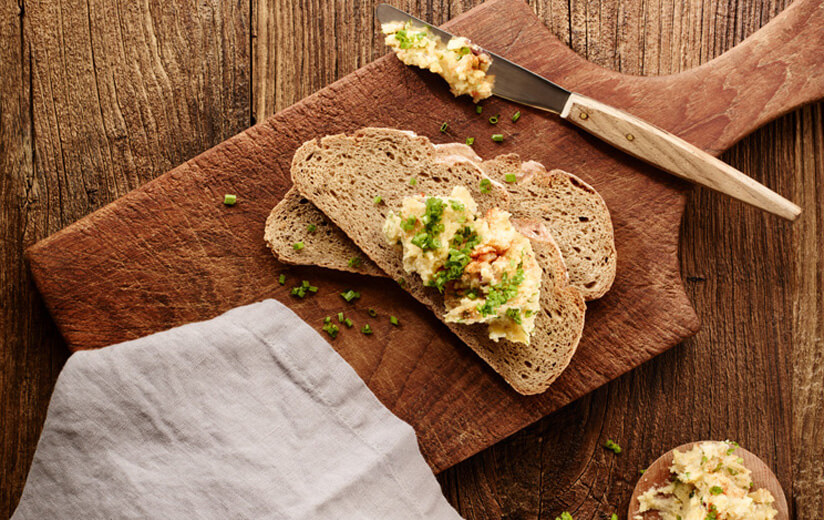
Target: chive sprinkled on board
[282,279]
[330,328]
[498,138]
[413,181]
[613,517]
[350,295]
[348,323]
[613,446]
[377,200]
[485,185]
[366,329]
[230,199]
[311,228]
[470,141]
[355,261]
[564,516]
[510,178]
[494,119]
[516,116]
[394,321]
[297,246]
[340,317]
[444,126]
[372,312]
[479,109]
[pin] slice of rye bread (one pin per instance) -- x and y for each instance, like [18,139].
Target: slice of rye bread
[572,210]
[342,174]
[575,213]
[326,245]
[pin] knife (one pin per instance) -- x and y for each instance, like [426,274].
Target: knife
[621,129]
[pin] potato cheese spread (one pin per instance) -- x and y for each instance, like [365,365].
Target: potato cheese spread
[709,482]
[485,268]
[461,63]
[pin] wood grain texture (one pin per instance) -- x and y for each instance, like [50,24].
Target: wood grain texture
[97,98]
[672,154]
[556,464]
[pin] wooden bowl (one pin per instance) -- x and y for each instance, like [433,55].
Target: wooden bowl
[659,472]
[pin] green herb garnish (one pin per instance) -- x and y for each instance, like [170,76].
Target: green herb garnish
[613,446]
[516,116]
[311,228]
[372,312]
[348,323]
[409,224]
[350,295]
[297,246]
[458,257]
[377,200]
[494,119]
[514,314]
[510,178]
[366,329]
[716,490]
[355,261]
[340,317]
[229,199]
[331,328]
[470,141]
[413,181]
[498,138]
[394,321]
[479,109]
[444,126]
[502,292]
[564,516]
[484,185]
[457,205]
[282,279]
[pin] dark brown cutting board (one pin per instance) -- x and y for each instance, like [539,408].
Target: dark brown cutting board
[170,252]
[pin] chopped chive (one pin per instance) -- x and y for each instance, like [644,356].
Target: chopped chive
[484,185]
[494,119]
[305,284]
[613,517]
[350,295]
[479,109]
[296,291]
[366,329]
[510,177]
[516,116]
[642,471]
[498,138]
[413,181]
[312,289]
[470,141]
[716,490]
[355,261]
[348,323]
[613,446]
[311,228]
[327,319]
[229,199]
[297,246]
[394,321]
[331,328]
[282,279]
[340,317]
[444,126]
[372,312]
[377,200]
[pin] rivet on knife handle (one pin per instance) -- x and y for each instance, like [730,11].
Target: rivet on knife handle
[672,154]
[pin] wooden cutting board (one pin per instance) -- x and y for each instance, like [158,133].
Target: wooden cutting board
[171,253]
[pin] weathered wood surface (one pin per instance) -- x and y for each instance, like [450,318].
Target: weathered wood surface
[733,379]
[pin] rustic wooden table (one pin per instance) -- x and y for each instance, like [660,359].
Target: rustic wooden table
[98,97]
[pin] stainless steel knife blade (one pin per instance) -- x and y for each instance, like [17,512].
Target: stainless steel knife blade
[512,82]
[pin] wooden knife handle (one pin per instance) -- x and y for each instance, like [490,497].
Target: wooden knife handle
[672,154]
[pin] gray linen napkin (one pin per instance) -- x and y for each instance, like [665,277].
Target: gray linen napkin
[249,415]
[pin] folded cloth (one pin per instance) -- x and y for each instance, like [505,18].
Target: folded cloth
[249,415]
